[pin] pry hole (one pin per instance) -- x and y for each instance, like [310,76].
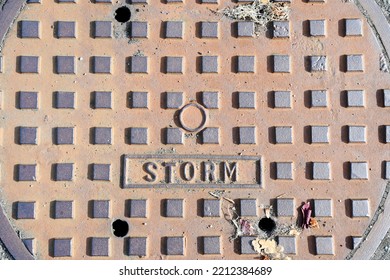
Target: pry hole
[120,228]
[267,225]
[122,14]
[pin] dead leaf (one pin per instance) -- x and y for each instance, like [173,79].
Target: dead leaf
[313,223]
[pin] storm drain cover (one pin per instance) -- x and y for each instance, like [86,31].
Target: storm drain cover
[191,129]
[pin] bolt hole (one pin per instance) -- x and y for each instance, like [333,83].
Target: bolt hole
[120,228]
[122,14]
[267,224]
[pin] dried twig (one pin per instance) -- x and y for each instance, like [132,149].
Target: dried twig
[258,12]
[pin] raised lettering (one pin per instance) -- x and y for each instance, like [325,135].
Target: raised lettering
[151,177]
[187,171]
[208,169]
[168,171]
[229,171]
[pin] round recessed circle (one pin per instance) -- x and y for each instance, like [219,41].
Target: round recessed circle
[120,228]
[122,14]
[267,225]
[192,117]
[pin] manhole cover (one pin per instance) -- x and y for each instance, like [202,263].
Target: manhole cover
[187,129]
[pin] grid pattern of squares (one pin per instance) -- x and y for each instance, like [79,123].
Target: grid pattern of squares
[245,100]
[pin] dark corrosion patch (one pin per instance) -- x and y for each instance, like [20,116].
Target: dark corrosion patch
[148,171]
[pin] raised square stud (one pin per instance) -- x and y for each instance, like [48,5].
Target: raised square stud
[209,64]
[317,27]
[209,29]
[64,100]
[319,134]
[245,64]
[102,29]
[210,135]
[387,170]
[137,208]
[139,135]
[29,243]
[63,209]
[353,27]
[248,207]
[211,245]
[283,135]
[64,136]
[355,98]
[25,210]
[26,172]
[321,171]
[33,1]
[247,135]
[324,245]
[210,99]
[317,63]
[139,100]
[101,172]
[282,99]
[386,97]
[356,134]
[173,208]
[322,207]
[139,29]
[360,208]
[101,64]
[285,207]
[61,247]
[65,29]
[174,245]
[66,1]
[246,100]
[28,29]
[245,28]
[209,1]
[99,246]
[28,64]
[102,135]
[28,100]
[289,244]
[246,246]
[173,136]
[173,100]
[211,208]
[64,172]
[354,63]
[102,100]
[284,170]
[100,209]
[137,246]
[65,65]
[174,65]
[28,135]
[281,29]
[138,64]
[135,1]
[358,171]
[355,241]
[319,98]
[387,133]
[281,63]
[174,29]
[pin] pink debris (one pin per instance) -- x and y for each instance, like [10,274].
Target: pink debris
[306,214]
[246,227]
